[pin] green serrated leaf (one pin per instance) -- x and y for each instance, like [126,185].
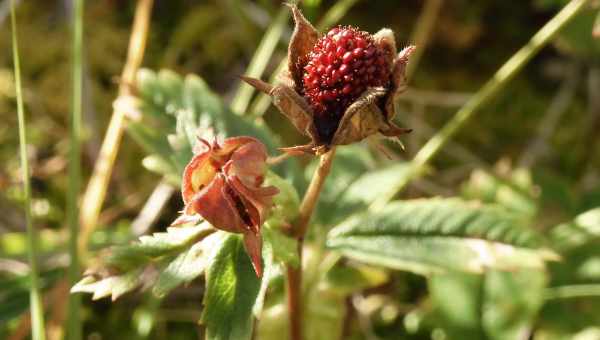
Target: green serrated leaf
[156,245]
[185,267]
[113,286]
[163,260]
[232,291]
[435,235]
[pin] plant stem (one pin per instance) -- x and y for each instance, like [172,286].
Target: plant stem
[493,87]
[74,321]
[300,227]
[37,312]
[312,194]
[96,190]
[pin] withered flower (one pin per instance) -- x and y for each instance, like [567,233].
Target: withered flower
[339,87]
[222,184]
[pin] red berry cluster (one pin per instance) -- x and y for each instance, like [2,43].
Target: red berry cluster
[343,63]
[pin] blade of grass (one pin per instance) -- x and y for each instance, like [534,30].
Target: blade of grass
[493,87]
[36,308]
[73,320]
[95,192]
[260,60]
[331,17]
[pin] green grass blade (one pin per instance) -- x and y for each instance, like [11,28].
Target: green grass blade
[492,88]
[74,321]
[259,61]
[36,307]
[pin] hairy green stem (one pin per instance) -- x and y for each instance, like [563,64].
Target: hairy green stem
[36,307]
[74,320]
[492,88]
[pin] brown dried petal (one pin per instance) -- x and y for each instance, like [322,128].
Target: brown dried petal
[361,119]
[248,162]
[253,245]
[216,204]
[290,103]
[398,84]
[303,40]
[257,200]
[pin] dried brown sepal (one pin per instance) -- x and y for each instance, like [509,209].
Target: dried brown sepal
[303,39]
[290,103]
[362,119]
[398,81]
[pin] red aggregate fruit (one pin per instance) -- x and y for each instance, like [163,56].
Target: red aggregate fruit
[339,87]
[342,65]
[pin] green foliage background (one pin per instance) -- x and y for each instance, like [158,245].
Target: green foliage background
[521,181]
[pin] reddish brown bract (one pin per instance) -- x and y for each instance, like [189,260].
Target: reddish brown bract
[342,65]
[222,184]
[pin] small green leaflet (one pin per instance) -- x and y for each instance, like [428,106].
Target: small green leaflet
[233,292]
[162,260]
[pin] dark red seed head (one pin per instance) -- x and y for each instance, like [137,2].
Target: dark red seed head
[342,65]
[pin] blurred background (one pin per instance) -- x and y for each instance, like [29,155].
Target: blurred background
[534,148]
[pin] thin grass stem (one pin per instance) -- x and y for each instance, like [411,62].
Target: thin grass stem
[36,307]
[73,319]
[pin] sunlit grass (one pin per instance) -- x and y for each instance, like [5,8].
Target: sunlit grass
[74,320]
[37,311]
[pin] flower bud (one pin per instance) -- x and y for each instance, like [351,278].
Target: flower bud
[223,184]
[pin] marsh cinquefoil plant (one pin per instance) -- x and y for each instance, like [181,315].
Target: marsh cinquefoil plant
[339,89]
